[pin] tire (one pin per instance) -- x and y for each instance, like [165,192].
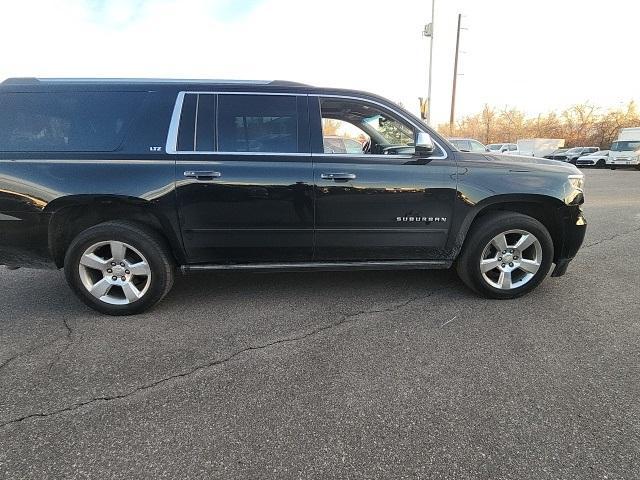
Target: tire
[127,261]
[601,163]
[526,268]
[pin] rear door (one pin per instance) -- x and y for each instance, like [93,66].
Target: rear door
[381,203]
[244,176]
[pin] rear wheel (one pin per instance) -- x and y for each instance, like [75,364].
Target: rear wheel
[601,163]
[505,255]
[119,268]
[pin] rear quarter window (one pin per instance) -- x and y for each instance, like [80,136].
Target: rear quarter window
[66,121]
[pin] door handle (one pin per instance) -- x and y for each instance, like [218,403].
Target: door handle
[338,176]
[202,174]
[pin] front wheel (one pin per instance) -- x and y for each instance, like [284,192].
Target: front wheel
[505,255]
[119,268]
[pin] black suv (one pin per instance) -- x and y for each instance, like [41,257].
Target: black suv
[121,182]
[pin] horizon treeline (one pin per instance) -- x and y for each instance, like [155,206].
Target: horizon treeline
[580,125]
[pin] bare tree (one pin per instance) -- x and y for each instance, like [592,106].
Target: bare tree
[581,124]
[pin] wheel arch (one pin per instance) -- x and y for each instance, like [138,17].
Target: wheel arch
[543,208]
[70,215]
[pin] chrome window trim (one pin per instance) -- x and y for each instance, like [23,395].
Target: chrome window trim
[363,155]
[172,136]
[276,154]
[404,117]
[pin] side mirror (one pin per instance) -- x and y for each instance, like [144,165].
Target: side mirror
[424,144]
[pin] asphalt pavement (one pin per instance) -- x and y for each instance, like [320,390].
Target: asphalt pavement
[335,375]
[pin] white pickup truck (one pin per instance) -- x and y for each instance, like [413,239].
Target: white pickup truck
[626,149]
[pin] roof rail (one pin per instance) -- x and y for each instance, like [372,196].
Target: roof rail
[34,80]
[20,81]
[288,83]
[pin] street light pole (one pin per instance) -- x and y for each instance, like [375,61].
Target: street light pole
[455,78]
[433,11]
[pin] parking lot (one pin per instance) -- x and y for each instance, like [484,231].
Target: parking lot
[335,375]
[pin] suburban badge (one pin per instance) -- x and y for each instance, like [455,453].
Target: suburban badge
[421,219]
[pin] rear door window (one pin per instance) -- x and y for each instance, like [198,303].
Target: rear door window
[257,123]
[196,131]
[66,121]
[187,129]
[205,121]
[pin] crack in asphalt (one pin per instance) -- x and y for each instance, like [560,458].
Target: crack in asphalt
[69,330]
[65,347]
[40,347]
[612,237]
[345,319]
[27,352]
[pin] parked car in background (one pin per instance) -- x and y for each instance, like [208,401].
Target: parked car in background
[573,154]
[626,149]
[596,159]
[558,154]
[337,144]
[508,148]
[468,145]
[539,147]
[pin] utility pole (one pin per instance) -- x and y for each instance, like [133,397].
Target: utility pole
[455,78]
[428,32]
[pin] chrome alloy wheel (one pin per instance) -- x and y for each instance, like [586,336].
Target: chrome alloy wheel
[511,259]
[115,272]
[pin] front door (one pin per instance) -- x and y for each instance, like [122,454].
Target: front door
[244,177]
[381,202]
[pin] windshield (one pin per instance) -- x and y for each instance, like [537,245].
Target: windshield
[495,146]
[601,152]
[625,146]
[575,150]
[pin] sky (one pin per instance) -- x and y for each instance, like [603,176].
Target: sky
[536,55]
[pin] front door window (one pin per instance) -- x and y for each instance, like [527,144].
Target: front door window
[358,127]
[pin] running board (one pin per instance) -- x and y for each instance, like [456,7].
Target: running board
[320,266]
